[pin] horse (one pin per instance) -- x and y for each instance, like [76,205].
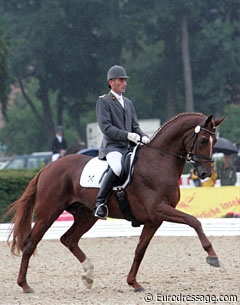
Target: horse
[153,194]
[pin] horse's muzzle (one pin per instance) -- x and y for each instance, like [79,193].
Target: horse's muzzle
[202,173]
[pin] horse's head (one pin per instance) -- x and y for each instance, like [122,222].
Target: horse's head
[200,152]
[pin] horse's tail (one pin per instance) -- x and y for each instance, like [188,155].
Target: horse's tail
[22,211]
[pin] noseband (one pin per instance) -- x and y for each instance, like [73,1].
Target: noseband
[190,157]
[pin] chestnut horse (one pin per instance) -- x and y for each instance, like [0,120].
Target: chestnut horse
[152,194]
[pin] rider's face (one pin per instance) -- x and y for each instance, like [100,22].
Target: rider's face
[118,85]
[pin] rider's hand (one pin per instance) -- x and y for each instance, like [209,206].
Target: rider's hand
[133,137]
[145,140]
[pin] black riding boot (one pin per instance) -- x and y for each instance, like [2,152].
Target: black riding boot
[109,181]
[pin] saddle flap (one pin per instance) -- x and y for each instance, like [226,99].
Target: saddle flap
[94,170]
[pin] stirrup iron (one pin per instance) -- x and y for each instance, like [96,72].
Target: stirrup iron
[101,205]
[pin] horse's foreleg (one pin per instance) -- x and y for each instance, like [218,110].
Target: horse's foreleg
[71,238]
[170,214]
[212,258]
[145,237]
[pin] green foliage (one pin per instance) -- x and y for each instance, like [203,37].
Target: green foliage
[3,73]
[22,134]
[12,186]
[216,58]
[69,46]
[21,126]
[230,128]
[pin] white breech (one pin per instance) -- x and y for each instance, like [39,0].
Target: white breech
[114,160]
[55,156]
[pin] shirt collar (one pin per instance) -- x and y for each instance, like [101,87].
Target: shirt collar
[59,138]
[118,96]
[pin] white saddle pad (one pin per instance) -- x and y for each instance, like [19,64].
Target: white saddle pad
[94,169]
[93,172]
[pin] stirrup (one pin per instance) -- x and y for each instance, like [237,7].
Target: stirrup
[97,208]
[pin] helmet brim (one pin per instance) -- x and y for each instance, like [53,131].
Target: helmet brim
[125,76]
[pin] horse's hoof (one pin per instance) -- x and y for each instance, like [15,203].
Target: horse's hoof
[87,281]
[29,290]
[139,289]
[213,261]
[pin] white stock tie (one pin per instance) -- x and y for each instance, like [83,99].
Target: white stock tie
[121,100]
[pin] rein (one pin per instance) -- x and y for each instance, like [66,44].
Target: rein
[167,152]
[189,157]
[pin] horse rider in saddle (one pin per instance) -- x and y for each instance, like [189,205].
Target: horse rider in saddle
[118,122]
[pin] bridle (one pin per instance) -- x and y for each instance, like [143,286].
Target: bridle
[194,159]
[190,157]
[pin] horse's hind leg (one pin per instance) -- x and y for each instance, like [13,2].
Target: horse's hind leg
[83,221]
[29,247]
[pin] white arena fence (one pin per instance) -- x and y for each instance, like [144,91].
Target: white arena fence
[123,228]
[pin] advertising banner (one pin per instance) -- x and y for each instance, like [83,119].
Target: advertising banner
[210,202]
[202,202]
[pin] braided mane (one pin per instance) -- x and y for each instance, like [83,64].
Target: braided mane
[177,116]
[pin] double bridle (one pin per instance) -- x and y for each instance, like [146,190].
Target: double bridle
[190,157]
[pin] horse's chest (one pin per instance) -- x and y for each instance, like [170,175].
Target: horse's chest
[173,196]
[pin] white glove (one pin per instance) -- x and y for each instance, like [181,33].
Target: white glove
[145,140]
[133,137]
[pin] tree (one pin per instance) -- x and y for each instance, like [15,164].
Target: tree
[230,129]
[22,125]
[3,73]
[216,62]
[63,46]
[165,27]
[65,49]
[186,64]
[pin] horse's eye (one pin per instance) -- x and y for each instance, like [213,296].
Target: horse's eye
[203,141]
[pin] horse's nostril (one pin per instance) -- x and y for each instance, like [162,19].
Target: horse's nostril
[204,175]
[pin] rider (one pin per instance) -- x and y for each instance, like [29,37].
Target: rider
[118,122]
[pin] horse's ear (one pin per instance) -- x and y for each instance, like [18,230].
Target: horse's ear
[209,119]
[218,122]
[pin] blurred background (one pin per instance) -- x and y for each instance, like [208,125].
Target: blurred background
[55,54]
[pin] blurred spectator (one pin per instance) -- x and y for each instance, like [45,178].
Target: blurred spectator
[210,181]
[59,144]
[236,162]
[227,172]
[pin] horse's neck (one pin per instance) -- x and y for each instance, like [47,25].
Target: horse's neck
[174,132]
[170,141]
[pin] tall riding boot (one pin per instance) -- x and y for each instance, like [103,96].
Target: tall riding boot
[109,181]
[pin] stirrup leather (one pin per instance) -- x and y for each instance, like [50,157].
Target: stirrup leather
[97,208]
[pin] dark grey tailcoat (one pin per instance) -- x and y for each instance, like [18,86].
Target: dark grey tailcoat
[115,122]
